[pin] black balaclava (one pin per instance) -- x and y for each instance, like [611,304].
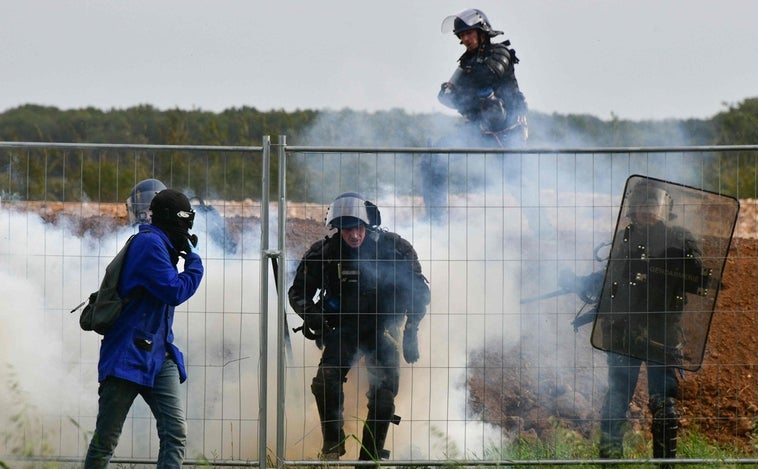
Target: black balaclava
[165,208]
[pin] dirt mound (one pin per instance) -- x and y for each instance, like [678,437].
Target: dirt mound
[720,400]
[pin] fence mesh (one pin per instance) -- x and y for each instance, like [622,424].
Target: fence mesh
[501,362]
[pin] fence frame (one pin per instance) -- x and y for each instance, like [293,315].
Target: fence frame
[275,254]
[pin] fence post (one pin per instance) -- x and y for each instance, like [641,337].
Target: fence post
[263,286]
[281,293]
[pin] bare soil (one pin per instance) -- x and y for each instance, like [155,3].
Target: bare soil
[720,400]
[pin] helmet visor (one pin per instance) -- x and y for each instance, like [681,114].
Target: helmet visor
[352,207]
[138,206]
[469,18]
[650,202]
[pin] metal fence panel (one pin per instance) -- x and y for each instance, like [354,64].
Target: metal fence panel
[500,359]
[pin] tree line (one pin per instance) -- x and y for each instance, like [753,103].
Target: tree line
[73,176]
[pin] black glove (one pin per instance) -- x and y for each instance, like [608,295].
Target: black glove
[191,245]
[446,95]
[410,342]
[313,318]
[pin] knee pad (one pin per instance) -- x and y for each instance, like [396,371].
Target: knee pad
[327,381]
[381,405]
[663,408]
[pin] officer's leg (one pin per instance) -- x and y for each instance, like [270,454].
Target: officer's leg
[663,388]
[623,373]
[327,388]
[384,380]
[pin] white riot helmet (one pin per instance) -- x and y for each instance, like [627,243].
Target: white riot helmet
[351,209]
[467,20]
[138,202]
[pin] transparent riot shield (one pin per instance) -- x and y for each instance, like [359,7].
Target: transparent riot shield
[664,272]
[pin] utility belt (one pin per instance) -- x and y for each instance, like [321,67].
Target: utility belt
[518,130]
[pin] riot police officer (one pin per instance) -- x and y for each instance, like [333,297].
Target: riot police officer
[652,266]
[138,202]
[484,88]
[210,220]
[367,282]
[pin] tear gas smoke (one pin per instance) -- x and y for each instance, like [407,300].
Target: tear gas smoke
[509,225]
[52,365]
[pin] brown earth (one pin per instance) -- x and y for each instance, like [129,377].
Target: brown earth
[720,400]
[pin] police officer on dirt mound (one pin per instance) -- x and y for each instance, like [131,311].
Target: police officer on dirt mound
[483,88]
[354,289]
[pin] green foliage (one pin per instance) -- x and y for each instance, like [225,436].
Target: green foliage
[108,176]
[736,173]
[565,444]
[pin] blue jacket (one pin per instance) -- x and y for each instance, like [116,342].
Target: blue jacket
[136,345]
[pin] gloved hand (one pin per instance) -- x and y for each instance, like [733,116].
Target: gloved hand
[313,318]
[446,96]
[446,88]
[192,242]
[410,342]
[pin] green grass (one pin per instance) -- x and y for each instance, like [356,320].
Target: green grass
[566,444]
[562,444]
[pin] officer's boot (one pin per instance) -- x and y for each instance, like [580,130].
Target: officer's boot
[612,425]
[665,427]
[611,446]
[381,412]
[327,389]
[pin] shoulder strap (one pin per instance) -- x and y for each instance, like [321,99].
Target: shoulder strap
[119,261]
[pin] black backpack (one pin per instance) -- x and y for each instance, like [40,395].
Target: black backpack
[105,305]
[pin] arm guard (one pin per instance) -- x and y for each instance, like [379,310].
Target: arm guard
[499,61]
[412,285]
[308,279]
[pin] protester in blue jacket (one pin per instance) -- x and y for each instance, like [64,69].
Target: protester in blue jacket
[137,353]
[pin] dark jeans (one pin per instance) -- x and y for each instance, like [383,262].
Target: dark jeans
[623,374]
[116,398]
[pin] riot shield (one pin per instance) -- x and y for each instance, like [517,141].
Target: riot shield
[664,272]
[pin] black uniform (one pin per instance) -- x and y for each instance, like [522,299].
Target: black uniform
[485,91]
[363,296]
[639,320]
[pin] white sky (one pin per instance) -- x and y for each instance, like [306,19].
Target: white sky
[636,59]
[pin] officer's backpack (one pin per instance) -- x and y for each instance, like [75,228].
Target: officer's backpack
[105,304]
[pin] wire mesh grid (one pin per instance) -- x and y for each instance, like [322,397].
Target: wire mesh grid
[500,361]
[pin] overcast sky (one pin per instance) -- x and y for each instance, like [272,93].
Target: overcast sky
[636,59]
